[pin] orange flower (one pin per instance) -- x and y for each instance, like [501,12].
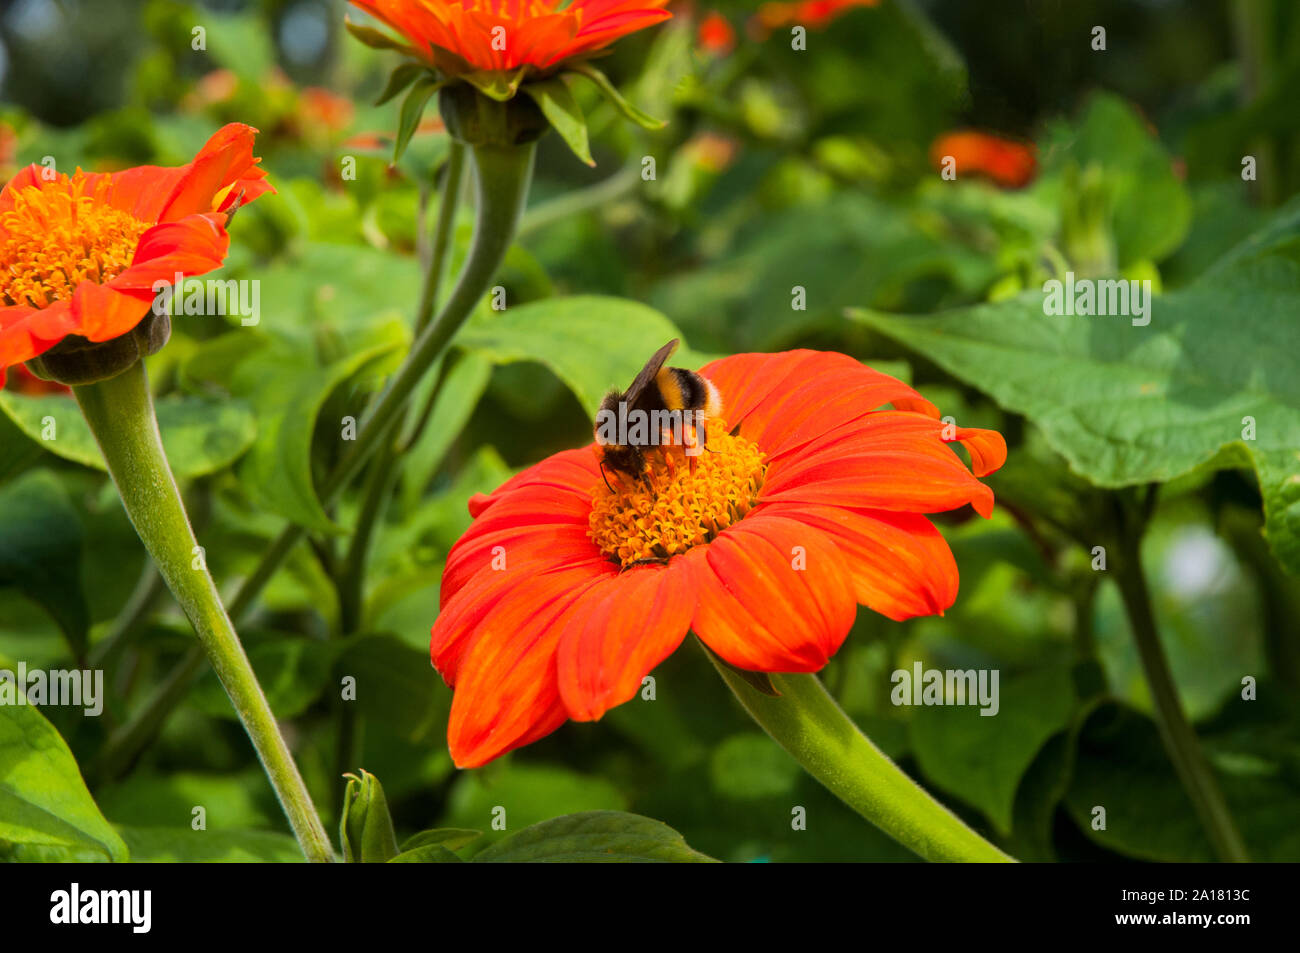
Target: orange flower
[1010,164]
[80,255]
[814,14]
[715,35]
[563,594]
[499,35]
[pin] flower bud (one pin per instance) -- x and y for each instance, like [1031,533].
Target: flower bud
[366,830]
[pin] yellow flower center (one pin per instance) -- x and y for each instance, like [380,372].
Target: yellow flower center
[55,237]
[680,501]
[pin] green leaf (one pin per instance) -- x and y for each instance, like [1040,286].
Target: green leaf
[375,39]
[412,109]
[616,98]
[458,395]
[395,684]
[591,343]
[563,113]
[289,390]
[1129,404]
[200,436]
[163,845]
[1150,209]
[46,813]
[428,854]
[41,540]
[980,758]
[594,837]
[400,78]
[1122,767]
[495,84]
[452,838]
[366,830]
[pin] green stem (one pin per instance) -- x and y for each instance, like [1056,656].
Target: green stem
[808,723]
[379,481]
[121,416]
[503,178]
[1175,731]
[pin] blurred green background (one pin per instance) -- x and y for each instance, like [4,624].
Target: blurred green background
[778,168]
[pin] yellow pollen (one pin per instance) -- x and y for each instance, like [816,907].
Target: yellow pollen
[55,237]
[680,502]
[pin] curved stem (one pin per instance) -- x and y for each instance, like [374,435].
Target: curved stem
[1175,731]
[121,416]
[503,178]
[808,723]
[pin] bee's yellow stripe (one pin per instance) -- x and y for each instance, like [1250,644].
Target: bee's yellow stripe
[670,390]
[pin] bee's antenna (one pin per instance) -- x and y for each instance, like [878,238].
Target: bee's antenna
[605,478]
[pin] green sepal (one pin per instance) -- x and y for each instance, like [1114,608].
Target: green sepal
[563,113]
[412,109]
[377,40]
[400,78]
[366,828]
[644,120]
[495,84]
[758,681]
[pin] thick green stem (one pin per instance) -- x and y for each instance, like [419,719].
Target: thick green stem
[808,723]
[121,416]
[1175,731]
[503,178]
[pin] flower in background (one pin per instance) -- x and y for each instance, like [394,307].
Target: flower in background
[496,49]
[25,382]
[320,108]
[1008,163]
[564,593]
[715,35]
[80,255]
[458,36]
[813,14]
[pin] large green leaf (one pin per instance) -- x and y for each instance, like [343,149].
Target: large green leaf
[981,759]
[156,845]
[46,813]
[289,389]
[594,837]
[1122,767]
[201,436]
[1128,404]
[592,343]
[40,551]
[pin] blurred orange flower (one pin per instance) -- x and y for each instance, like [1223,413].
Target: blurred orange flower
[563,594]
[498,35]
[1009,163]
[814,14]
[715,35]
[80,255]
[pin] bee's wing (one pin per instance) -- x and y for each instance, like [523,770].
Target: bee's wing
[649,372]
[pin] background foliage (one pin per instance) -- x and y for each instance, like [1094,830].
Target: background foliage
[778,168]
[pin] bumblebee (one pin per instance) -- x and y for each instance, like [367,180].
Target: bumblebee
[664,395]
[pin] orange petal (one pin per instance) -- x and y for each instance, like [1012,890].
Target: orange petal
[899,564]
[630,624]
[224,160]
[773,595]
[506,690]
[103,313]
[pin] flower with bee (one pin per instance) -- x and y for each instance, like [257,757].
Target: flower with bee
[808,500]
